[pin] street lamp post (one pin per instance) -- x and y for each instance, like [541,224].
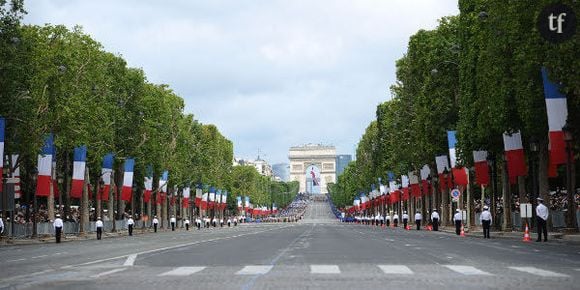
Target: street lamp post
[491,160]
[534,148]
[570,188]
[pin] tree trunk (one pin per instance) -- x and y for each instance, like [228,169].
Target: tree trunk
[111,205]
[543,180]
[84,218]
[506,195]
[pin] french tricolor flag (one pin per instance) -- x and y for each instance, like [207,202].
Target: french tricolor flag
[451,141]
[405,186]
[481,168]
[106,172]
[514,155]
[148,183]
[211,202]
[186,195]
[16,175]
[557,109]
[128,179]
[79,168]
[246,201]
[198,194]
[45,167]
[239,202]
[425,172]
[161,195]
[414,181]
[2,128]
[443,166]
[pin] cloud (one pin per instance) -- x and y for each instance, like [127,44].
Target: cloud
[269,74]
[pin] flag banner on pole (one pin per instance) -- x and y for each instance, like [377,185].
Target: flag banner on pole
[128,179]
[148,184]
[43,181]
[451,141]
[106,172]
[239,202]
[79,168]
[161,193]
[557,110]
[460,175]
[405,186]
[481,168]
[425,172]
[514,155]
[218,198]
[224,200]
[198,194]
[414,182]
[186,195]
[443,170]
[246,201]
[211,201]
[2,135]
[203,203]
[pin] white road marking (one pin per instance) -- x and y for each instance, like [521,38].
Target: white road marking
[466,270]
[17,260]
[254,270]
[130,260]
[108,272]
[395,269]
[41,256]
[539,272]
[324,269]
[183,271]
[168,248]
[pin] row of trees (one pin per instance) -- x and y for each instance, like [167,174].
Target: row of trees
[262,190]
[61,81]
[478,73]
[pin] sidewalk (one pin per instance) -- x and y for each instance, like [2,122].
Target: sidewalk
[515,235]
[7,241]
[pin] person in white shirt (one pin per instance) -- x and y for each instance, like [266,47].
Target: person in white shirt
[198,223]
[58,225]
[99,226]
[130,223]
[155,223]
[214,222]
[418,218]
[435,220]
[229,222]
[235,221]
[388,219]
[457,219]
[221,222]
[485,219]
[396,220]
[172,221]
[405,219]
[1,225]
[186,223]
[542,218]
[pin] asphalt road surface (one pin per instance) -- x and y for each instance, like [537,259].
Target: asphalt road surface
[317,253]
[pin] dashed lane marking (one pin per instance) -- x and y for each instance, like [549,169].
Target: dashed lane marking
[183,271]
[395,269]
[108,272]
[466,270]
[255,270]
[130,260]
[539,272]
[324,269]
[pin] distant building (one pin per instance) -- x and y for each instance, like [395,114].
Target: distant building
[342,162]
[281,171]
[261,166]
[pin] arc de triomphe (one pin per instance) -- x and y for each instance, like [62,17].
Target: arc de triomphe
[313,156]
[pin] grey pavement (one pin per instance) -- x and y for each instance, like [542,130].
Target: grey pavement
[317,253]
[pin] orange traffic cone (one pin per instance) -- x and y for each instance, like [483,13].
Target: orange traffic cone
[462,234]
[527,235]
[408,227]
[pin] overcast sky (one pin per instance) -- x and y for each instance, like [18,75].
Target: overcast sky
[269,74]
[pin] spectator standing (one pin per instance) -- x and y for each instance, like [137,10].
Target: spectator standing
[58,224]
[99,225]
